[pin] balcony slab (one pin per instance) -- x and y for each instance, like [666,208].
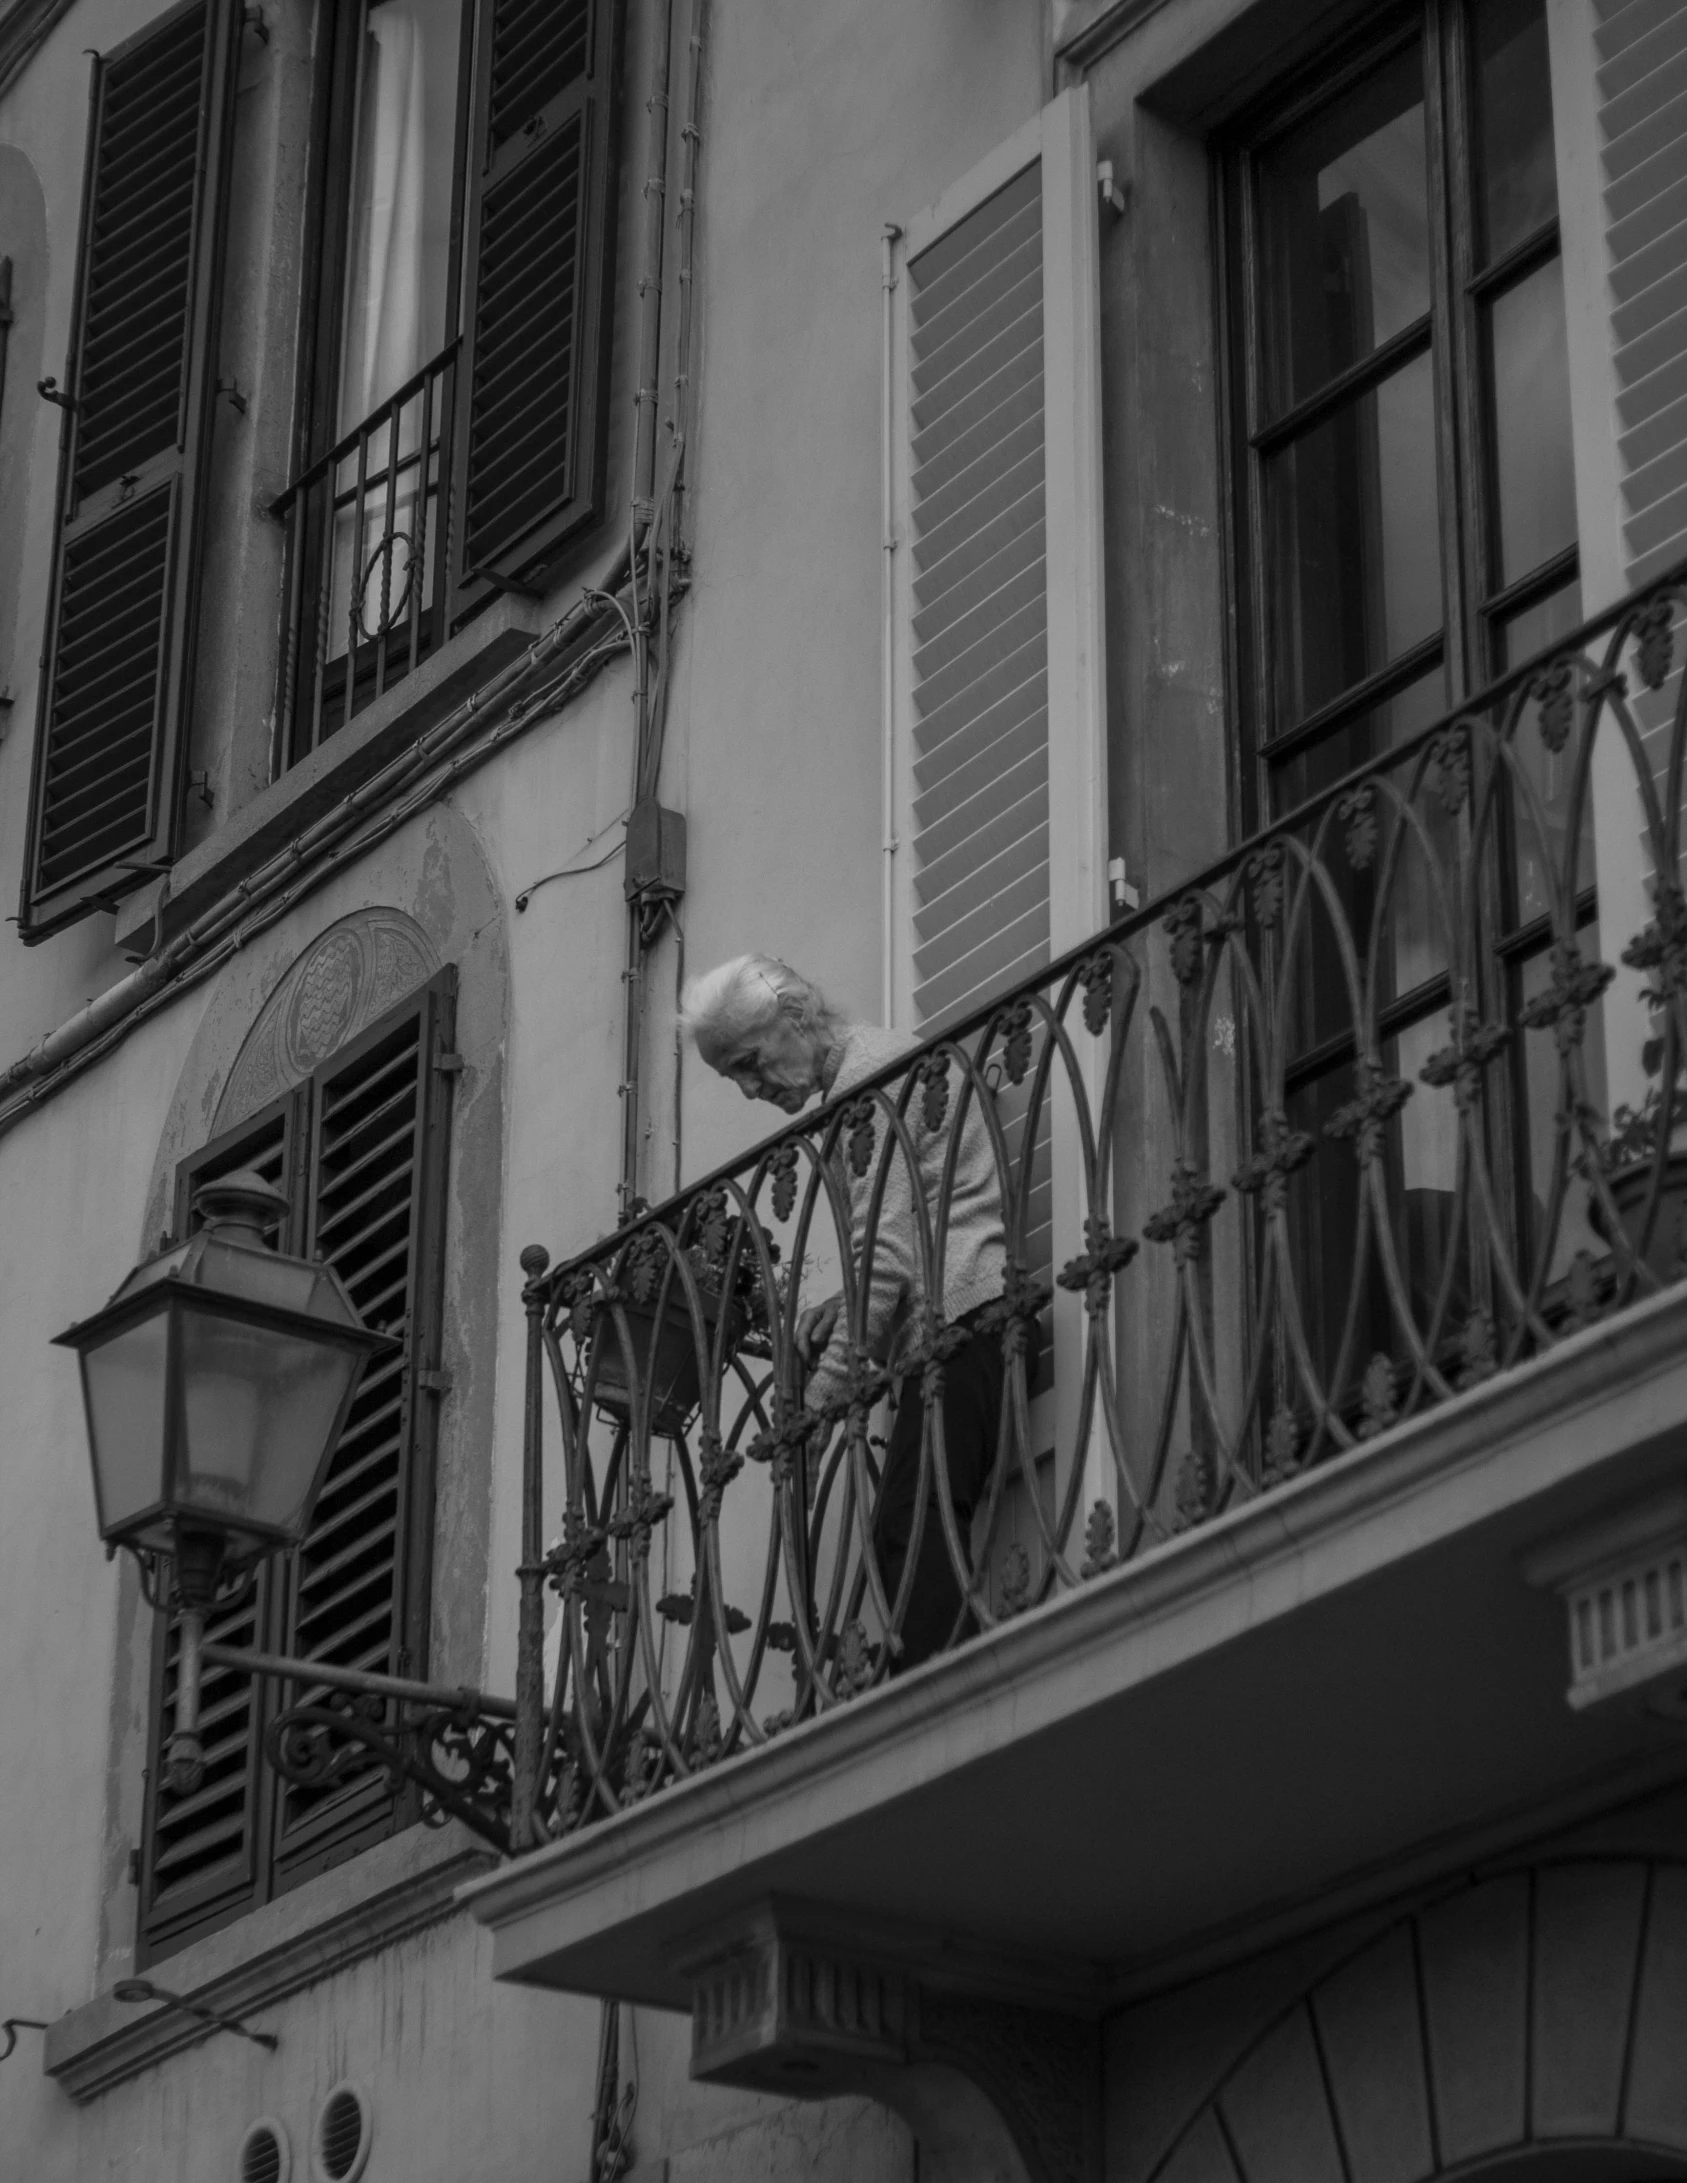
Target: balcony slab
[1303,1706]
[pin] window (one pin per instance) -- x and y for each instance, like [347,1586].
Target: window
[453,429]
[1402,392]
[360,1153]
[451,426]
[1405,531]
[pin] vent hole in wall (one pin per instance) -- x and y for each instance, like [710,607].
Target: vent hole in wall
[343,2131]
[265,2155]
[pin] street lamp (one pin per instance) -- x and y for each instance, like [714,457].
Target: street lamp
[216,1383]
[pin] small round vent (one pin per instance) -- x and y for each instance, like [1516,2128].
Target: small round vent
[265,2155]
[343,2130]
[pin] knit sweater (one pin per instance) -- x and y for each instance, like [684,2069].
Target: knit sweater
[974,1252]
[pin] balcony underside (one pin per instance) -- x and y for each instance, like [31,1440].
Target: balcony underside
[1303,1706]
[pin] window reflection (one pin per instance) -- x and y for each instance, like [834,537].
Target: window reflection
[1534,480]
[1355,560]
[1519,185]
[1541,832]
[1543,1099]
[1345,205]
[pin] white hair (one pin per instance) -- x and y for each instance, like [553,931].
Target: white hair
[741,997]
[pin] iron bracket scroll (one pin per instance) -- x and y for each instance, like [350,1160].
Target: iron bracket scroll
[455,1745]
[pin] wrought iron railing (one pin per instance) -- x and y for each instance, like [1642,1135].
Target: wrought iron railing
[1333,1131]
[366,558]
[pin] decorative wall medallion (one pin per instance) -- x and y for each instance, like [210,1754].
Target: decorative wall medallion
[350,975]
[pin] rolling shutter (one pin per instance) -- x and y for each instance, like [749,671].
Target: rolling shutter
[376,1206]
[117,667]
[540,228]
[361,1152]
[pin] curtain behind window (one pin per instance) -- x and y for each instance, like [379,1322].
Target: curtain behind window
[396,305]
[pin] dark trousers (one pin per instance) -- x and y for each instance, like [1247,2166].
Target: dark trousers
[972,1413]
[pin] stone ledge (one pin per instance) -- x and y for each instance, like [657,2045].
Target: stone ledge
[154,914]
[382,1896]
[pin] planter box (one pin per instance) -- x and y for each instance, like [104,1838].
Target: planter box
[1630,1187]
[665,1359]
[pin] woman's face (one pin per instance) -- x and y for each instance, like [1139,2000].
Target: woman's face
[781,1063]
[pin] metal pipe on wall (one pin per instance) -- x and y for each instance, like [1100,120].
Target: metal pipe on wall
[650,277]
[647,756]
[887,486]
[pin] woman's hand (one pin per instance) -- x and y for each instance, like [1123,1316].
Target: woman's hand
[814,1330]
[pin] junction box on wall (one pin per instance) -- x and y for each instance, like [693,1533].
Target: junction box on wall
[654,861]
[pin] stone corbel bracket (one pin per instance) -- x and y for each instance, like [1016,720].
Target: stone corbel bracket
[995,2066]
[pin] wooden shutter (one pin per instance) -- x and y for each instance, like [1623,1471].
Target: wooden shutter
[540,234]
[361,1152]
[1001,619]
[1642,49]
[117,669]
[375,1213]
[205,1855]
[999,667]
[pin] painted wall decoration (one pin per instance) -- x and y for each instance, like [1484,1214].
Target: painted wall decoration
[347,977]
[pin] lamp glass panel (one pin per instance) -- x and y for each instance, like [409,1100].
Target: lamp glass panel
[261,1276]
[258,1406]
[124,1377]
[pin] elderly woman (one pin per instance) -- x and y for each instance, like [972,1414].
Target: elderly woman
[771,1032]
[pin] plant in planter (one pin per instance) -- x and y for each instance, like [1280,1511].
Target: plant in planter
[652,1296]
[1628,1160]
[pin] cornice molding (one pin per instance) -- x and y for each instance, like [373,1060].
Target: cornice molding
[103,2043]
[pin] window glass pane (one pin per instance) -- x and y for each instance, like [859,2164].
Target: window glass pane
[1414,907]
[1334,1273]
[1541,815]
[400,207]
[1517,186]
[1353,545]
[1537,626]
[1534,482]
[1344,216]
[1319,765]
[1549,1106]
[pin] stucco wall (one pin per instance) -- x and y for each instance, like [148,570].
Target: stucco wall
[819,125]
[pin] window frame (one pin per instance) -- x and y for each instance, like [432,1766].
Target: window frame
[526,565]
[1474,606]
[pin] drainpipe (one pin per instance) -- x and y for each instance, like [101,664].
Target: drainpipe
[650,279]
[887,487]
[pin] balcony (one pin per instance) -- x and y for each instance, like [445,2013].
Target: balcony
[1344,1383]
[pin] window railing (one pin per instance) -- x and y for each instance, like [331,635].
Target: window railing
[367,556]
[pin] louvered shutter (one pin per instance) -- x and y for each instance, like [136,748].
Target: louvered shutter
[117,667]
[1642,48]
[999,674]
[359,1591]
[1000,580]
[540,232]
[204,1855]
